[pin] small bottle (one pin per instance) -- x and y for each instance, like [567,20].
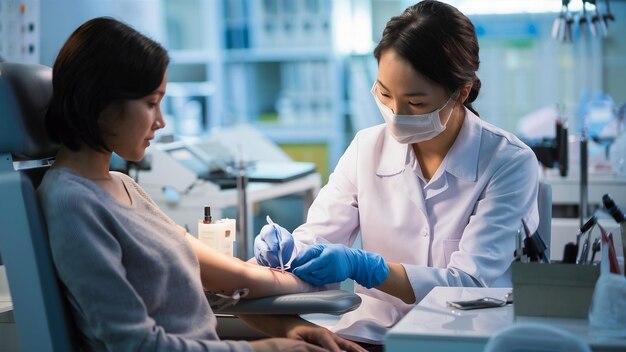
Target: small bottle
[210,233]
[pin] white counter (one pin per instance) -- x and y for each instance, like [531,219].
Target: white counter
[432,326]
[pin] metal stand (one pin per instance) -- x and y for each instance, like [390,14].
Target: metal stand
[584,171]
[242,211]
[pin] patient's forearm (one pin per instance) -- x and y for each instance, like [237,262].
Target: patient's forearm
[263,281]
[224,274]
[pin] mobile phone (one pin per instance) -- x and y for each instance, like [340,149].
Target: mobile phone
[485,302]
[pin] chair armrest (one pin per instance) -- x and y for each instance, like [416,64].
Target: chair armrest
[334,302]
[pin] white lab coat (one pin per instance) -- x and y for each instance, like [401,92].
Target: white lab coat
[456,229]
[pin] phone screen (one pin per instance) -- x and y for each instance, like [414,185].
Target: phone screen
[485,302]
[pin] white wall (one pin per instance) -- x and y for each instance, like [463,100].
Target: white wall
[59,18]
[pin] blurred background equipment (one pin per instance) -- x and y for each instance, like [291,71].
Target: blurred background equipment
[590,21]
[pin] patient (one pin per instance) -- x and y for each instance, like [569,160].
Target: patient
[133,277]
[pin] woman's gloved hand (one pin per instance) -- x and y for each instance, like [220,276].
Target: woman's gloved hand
[326,263]
[273,246]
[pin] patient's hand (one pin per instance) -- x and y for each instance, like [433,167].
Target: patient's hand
[322,337]
[296,328]
[282,344]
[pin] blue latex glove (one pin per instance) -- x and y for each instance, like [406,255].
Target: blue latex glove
[321,264]
[272,241]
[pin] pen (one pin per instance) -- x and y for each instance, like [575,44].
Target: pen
[583,229]
[619,217]
[278,238]
[280,252]
[588,226]
[584,253]
[595,247]
[607,240]
[612,256]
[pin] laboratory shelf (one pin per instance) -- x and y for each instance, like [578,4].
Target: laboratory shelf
[177,89]
[289,133]
[258,61]
[193,56]
[282,61]
[280,54]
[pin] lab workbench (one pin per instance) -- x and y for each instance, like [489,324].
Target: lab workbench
[566,190]
[433,326]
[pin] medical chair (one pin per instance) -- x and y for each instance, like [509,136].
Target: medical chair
[40,310]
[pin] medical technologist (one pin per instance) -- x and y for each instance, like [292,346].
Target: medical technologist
[436,193]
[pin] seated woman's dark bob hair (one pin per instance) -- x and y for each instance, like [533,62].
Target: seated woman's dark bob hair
[103,62]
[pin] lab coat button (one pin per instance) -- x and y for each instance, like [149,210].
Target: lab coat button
[425,233]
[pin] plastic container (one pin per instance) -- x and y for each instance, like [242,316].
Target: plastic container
[553,290]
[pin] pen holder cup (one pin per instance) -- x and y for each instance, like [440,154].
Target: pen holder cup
[553,290]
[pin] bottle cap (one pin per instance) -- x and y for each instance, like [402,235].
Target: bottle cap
[207,214]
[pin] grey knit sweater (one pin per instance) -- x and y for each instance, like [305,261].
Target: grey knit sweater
[131,278]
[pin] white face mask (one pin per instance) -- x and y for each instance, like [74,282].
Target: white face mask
[409,129]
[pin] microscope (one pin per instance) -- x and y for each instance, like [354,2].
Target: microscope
[552,152]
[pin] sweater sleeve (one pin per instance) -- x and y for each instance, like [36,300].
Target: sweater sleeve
[90,263]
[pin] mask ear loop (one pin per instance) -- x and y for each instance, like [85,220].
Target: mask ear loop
[451,110]
[455,100]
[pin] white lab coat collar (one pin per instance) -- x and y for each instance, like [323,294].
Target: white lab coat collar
[394,156]
[462,158]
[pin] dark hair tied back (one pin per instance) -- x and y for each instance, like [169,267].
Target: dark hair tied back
[439,41]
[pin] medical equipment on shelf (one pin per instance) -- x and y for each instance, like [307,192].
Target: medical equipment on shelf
[553,152]
[562,26]
[594,23]
[617,150]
